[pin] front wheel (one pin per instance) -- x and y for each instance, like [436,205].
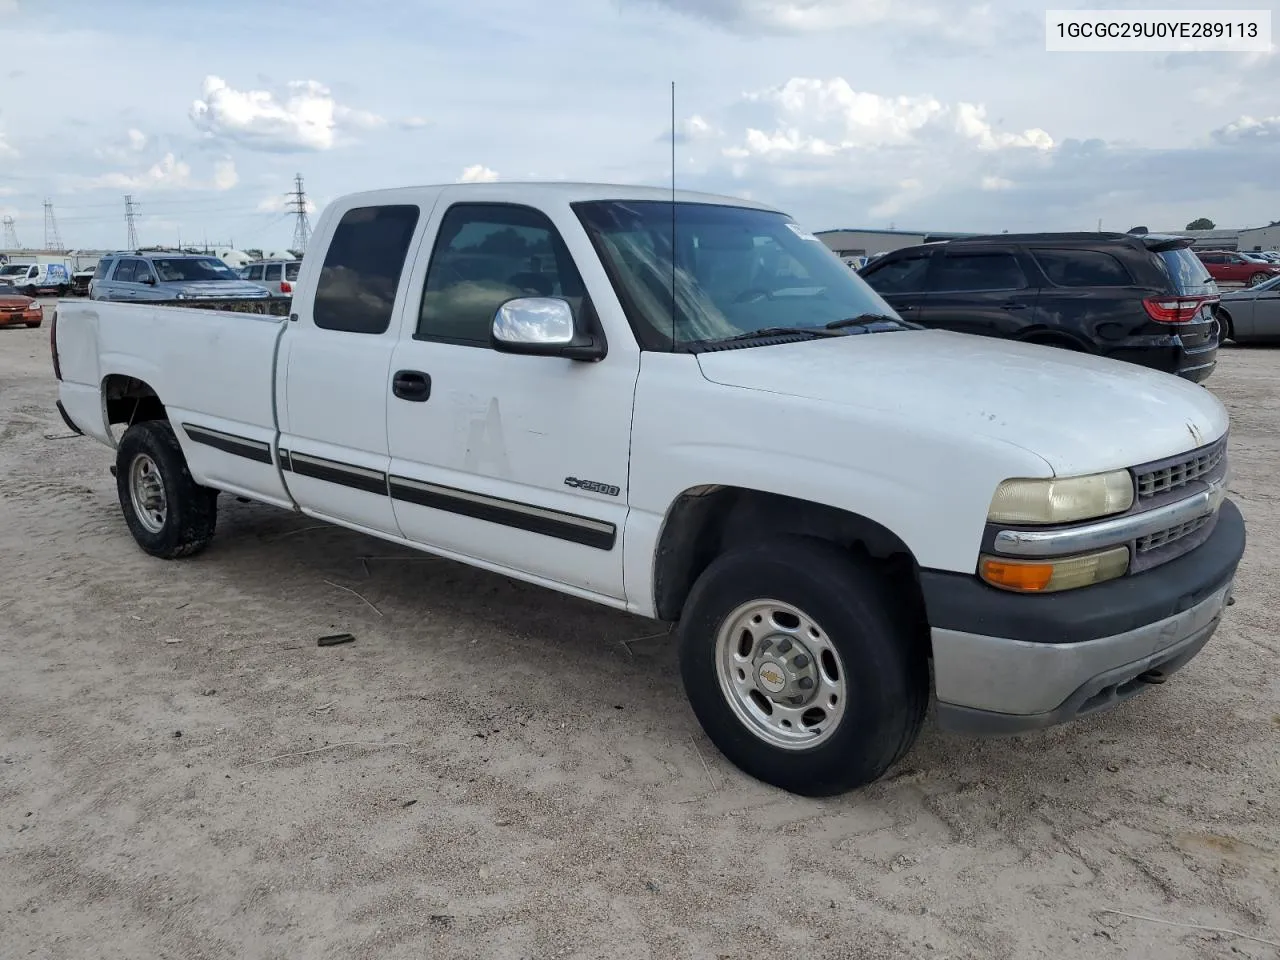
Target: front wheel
[29,292]
[168,513]
[801,668]
[1226,330]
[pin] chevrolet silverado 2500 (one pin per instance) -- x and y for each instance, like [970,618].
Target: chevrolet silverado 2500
[685,406]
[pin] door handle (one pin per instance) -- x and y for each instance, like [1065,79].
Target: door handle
[411,385]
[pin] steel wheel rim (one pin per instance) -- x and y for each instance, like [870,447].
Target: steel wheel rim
[760,675]
[146,492]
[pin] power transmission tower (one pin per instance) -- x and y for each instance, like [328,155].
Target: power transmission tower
[52,241]
[298,207]
[11,241]
[130,211]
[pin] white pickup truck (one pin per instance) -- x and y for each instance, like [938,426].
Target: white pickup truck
[685,406]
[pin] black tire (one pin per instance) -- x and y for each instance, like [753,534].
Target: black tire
[33,326]
[29,292]
[62,290]
[882,652]
[190,510]
[1258,278]
[1228,330]
[1062,343]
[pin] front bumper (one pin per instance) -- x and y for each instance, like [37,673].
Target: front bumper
[1007,663]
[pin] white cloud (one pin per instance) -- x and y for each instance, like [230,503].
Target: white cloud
[413,123]
[169,173]
[126,149]
[308,118]
[7,150]
[478,173]
[824,118]
[137,140]
[225,176]
[1249,129]
[990,183]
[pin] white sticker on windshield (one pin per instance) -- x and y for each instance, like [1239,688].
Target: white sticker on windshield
[795,228]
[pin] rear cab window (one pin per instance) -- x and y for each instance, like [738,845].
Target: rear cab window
[291,270]
[356,292]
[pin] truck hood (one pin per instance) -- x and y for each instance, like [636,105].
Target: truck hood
[1080,413]
[209,289]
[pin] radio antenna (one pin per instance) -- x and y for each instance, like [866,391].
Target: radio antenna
[673,215]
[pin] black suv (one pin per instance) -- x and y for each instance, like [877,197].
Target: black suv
[1146,299]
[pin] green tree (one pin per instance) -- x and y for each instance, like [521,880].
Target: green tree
[1203,223]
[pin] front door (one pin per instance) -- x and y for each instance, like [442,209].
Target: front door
[513,461]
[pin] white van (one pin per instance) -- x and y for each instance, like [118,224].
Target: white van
[36,278]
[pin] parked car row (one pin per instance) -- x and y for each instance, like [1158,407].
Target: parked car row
[1145,299]
[31,279]
[276,276]
[1231,268]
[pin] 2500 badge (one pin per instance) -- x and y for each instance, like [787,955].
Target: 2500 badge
[592,487]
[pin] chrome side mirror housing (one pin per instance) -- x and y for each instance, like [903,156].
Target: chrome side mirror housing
[544,327]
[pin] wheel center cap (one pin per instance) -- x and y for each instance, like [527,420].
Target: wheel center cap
[771,676]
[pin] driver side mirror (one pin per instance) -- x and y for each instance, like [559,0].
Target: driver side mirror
[544,327]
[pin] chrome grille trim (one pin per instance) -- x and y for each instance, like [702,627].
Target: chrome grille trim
[1164,476]
[1173,534]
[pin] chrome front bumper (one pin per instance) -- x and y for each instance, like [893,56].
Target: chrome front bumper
[993,685]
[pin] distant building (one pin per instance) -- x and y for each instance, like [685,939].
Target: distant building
[865,243]
[1259,238]
[1208,239]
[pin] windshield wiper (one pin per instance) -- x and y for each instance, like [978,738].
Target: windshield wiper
[781,332]
[869,320]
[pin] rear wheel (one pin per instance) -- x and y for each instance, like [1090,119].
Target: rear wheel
[168,513]
[1258,278]
[1228,332]
[800,668]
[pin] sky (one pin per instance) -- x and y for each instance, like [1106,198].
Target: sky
[916,114]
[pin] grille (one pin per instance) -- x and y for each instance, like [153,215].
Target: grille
[1166,537]
[1170,475]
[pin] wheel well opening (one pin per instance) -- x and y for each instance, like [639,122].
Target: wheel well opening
[130,400]
[706,521]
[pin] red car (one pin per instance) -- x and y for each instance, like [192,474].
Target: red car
[1229,267]
[17,310]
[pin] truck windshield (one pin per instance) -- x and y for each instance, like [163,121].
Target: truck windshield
[193,268]
[735,270]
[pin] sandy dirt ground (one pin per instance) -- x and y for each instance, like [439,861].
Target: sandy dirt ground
[494,771]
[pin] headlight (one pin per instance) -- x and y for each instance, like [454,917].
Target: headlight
[1050,576]
[1062,499]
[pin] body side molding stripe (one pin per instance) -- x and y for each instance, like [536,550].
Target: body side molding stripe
[509,513]
[346,475]
[257,450]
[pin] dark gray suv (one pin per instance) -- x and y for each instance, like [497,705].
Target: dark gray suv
[151,275]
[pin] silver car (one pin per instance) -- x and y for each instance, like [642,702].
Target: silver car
[168,276]
[277,276]
[1252,313]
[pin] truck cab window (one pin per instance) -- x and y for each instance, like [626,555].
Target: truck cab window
[356,292]
[485,255]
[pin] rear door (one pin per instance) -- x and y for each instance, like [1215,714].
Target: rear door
[987,291]
[334,367]
[900,281]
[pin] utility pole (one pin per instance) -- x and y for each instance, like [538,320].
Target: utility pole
[11,235]
[52,241]
[298,207]
[130,212]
